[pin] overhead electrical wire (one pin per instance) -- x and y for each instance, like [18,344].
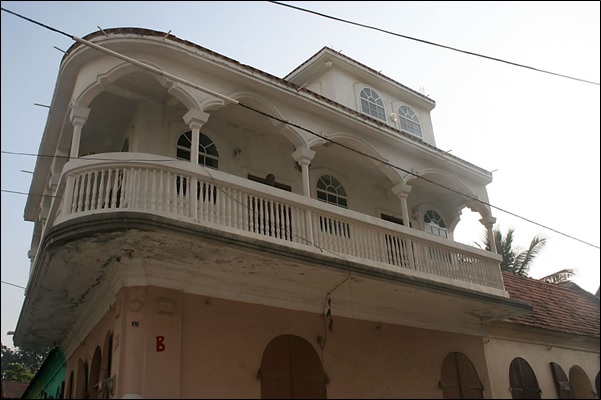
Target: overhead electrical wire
[432,43]
[185,82]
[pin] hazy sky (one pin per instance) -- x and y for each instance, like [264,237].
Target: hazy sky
[537,131]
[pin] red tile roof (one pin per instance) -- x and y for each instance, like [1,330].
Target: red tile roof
[568,309]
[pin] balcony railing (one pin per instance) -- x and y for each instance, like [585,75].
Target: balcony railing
[179,190]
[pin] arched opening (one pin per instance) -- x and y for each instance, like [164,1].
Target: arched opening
[581,386]
[291,369]
[95,377]
[459,379]
[522,380]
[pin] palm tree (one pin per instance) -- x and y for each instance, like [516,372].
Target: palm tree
[514,261]
[518,262]
[559,277]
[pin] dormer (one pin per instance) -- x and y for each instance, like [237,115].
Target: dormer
[358,87]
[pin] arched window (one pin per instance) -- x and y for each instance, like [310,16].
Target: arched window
[522,380]
[291,369]
[331,191]
[581,386]
[434,224]
[459,379]
[562,384]
[372,104]
[81,383]
[207,151]
[69,394]
[409,121]
[95,375]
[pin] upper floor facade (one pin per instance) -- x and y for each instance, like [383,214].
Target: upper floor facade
[151,133]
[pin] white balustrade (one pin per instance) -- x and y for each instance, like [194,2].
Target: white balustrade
[176,189]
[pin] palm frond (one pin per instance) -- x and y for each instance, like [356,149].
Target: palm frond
[561,276]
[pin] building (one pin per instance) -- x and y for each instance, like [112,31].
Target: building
[49,381]
[164,265]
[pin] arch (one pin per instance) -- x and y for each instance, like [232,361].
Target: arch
[248,99]
[291,369]
[95,375]
[81,382]
[459,379]
[581,385]
[522,380]
[393,174]
[107,359]
[69,393]
[451,191]
[123,69]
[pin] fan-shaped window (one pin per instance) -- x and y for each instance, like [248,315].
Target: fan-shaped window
[434,224]
[330,190]
[459,379]
[523,383]
[372,104]
[207,151]
[291,369]
[409,121]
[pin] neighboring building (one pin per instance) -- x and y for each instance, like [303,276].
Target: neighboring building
[553,350]
[164,267]
[12,389]
[49,381]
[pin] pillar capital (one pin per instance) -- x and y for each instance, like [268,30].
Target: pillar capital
[401,190]
[79,114]
[488,221]
[303,155]
[195,118]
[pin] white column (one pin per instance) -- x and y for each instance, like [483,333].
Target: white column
[402,191]
[489,222]
[195,120]
[303,156]
[79,116]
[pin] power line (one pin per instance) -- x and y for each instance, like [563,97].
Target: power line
[432,43]
[12,284]
[163,73]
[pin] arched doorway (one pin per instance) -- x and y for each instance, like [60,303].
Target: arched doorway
[291,369]
[459,379]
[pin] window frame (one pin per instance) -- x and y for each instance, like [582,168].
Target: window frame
[409,122]
[206,158]
[379,111]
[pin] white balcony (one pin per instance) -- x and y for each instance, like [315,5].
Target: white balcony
[152,184]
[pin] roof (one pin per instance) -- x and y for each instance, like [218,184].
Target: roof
[558,308]
[13,390]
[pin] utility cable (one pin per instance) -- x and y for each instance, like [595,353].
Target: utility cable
[163,73]
[432,43]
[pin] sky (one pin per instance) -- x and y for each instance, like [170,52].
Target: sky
[532,120]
